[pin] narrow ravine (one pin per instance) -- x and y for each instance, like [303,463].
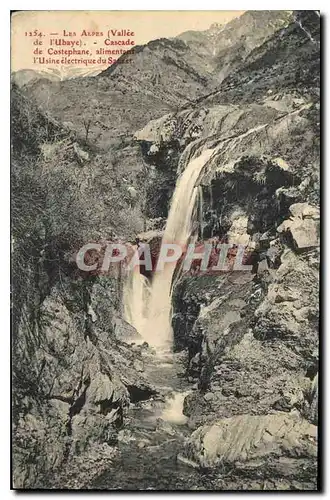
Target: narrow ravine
[200,374]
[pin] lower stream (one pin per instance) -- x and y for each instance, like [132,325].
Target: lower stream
[153,437]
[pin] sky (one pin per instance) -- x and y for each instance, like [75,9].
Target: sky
[147,25]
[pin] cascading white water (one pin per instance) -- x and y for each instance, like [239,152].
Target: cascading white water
[173,411]
[153,318]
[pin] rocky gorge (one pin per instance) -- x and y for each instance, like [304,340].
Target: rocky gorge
[231,401]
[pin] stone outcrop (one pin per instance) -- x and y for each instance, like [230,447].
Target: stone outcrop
[253,344]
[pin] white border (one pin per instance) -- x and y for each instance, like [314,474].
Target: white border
[172,5]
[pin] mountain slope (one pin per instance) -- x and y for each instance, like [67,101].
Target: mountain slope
[161,77]
[226,47]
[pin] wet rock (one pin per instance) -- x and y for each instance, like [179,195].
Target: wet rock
[141,391]
[192,296]
[182,324]
[126,332]
[222,324]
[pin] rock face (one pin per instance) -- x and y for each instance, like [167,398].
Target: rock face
[253,345]
[165,75]
[281,447]
[287,61]
[249,92]
[226,47]
[81,379]
[253,339]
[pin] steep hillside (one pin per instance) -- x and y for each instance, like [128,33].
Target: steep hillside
[163,75]
[73,374]
[252,338]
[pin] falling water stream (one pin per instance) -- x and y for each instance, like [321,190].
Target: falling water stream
[154,436]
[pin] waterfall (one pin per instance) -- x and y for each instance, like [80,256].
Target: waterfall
[173,411]
[135,299]
[152,315]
